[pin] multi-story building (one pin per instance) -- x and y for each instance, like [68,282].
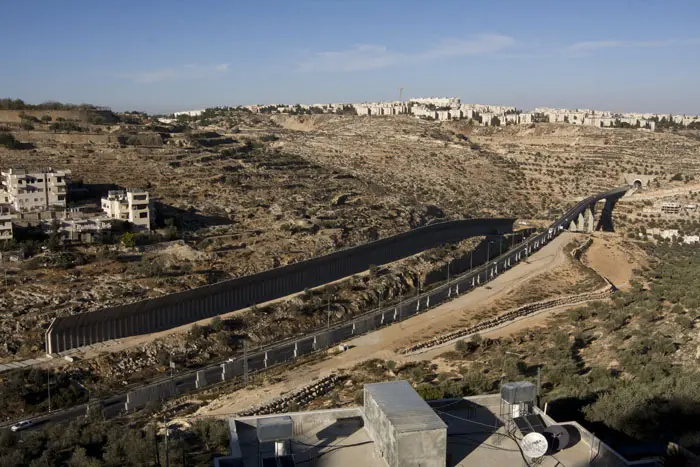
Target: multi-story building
[5,225]
[35,191]
[130,205]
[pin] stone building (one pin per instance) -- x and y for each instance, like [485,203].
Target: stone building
[130,205]
[35,191]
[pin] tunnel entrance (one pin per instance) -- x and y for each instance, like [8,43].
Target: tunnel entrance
[637,184]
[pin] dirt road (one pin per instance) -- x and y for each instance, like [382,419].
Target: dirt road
[382,343]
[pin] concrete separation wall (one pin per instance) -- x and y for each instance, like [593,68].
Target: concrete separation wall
[177,309]
[139,398]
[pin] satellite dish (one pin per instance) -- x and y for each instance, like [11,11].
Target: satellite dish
[534,445]
[559,437]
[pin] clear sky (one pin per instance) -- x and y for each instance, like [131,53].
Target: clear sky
[162,56]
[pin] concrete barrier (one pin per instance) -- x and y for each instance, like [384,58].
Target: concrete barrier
[201,379]
[139,398]
[181,308]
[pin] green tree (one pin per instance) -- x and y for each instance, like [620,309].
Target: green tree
[128,239]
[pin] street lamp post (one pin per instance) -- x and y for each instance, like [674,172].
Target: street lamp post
[48,381]
[329,311]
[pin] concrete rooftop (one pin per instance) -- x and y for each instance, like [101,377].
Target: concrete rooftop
[337,438]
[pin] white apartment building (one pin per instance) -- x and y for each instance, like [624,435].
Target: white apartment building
[129,205]
[35,191]
[5,226]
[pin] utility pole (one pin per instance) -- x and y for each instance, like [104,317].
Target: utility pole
[167,457]
[539,383]
[245,362]
[155,443]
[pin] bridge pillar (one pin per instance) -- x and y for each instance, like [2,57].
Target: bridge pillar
[296,349]
[605,223]
[590,221]
[572,226]
[581,224]
[457,289]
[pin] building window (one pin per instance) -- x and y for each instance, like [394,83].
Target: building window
[58,179]
[61,197]
[143,215]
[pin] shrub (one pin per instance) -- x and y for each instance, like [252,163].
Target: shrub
[9,141]
[359,397]
[128,239]
[216,324]
[429,392]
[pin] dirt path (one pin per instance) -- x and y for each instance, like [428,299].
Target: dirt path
[610,258]
[382,343]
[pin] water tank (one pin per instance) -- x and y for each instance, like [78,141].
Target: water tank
[517,392]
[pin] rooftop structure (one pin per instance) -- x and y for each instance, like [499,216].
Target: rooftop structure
[130,205]
[35,190]
[403,426]
[473,429]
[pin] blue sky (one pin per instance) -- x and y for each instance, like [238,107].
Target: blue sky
[162,56]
